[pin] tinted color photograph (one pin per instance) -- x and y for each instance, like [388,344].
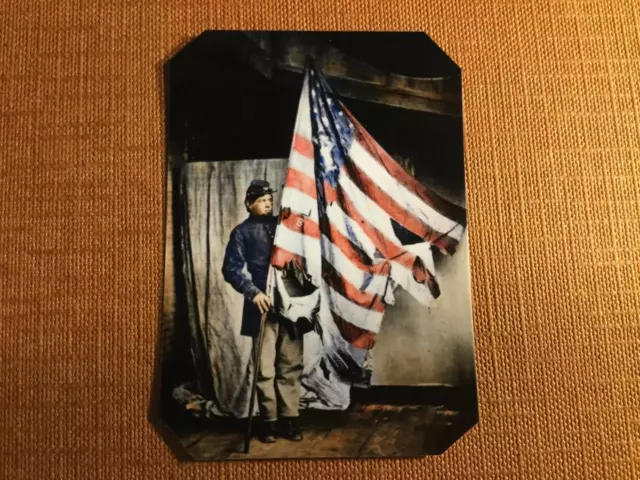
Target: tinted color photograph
[317,297]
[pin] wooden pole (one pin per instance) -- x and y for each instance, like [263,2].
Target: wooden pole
[254,383]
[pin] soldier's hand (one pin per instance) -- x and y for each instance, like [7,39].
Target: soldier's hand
[262,302]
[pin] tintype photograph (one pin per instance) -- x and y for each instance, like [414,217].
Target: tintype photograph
[317,297]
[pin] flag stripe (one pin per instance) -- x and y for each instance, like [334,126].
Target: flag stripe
[303,146]
[280,257]
[302,225]
[404,276]
[354,314]
[354,253]
[300,181]
[400,274]
[362,210]
[303,245]
[422,250]
[396,211]
[341,285]
[349,228]
[340,252]
[366,278]
[355,336]
[377,153]
[299,223]
[389,248]
[300,202]
[376,172]
[302,164]
[405,267]
[309,247]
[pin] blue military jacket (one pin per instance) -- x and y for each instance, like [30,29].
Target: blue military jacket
[250,245]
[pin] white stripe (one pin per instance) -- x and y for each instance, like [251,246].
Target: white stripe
[303,245]
[296,242]
[352,313]
[403,196]
[349,271]
[404,277]
[341,221]
[303,118]
[302,164]
[300,202]
[372,212]
[368,209]
[310,248]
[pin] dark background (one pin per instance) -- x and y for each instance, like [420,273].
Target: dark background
[222,108]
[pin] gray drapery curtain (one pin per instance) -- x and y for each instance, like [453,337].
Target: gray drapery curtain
[212,196]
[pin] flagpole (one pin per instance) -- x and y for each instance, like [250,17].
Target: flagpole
[256,361]
[254,382]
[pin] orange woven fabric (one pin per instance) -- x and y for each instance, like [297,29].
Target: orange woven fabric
[552,112]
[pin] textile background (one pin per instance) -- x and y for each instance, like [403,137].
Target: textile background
[416,345]
[552,112]
[214,202]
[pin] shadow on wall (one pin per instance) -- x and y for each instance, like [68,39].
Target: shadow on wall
[420,345]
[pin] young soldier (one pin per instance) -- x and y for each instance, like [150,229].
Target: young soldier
[280,367]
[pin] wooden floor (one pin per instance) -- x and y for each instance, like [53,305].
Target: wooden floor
[363,431]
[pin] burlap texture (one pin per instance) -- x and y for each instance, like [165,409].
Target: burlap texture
[552,112]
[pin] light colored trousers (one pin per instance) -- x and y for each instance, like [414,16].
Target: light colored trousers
[281,365]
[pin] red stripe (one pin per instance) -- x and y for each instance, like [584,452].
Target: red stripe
[387,248]
[299,223]
[354,254]
[396,211]
[303,146]
[379,154]
[356,336]
[306,226]
[280,258]
[349,291]
[298,180]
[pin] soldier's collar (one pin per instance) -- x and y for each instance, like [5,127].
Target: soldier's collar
[261,218]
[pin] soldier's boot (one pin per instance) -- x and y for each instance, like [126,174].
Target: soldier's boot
[290,429]
[268,432]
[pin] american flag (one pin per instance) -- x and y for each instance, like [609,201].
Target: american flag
[353,225]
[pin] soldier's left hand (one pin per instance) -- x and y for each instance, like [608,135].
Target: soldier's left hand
[263,302]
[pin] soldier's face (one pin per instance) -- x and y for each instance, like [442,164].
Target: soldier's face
[262,206]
